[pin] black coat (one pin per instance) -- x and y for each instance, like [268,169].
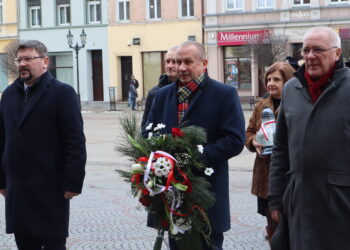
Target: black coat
[215,107]
[42,155]
[163,81]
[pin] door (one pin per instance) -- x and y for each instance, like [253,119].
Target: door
[126,71]
[97,74]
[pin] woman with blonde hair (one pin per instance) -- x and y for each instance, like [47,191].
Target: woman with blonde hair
[275,77]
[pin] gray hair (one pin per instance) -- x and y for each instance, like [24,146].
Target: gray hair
[200,48]
[172,49]
[38,46]
[333,36]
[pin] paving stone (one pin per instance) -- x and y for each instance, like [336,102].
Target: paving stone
[106,216]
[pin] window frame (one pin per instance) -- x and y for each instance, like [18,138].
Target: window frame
[36,9]
[339,2]
[1,11]
[67,22]
[234,5]
[301,4]
[93,3]
[126,12]
[265,5]
[155,18]
[188,8]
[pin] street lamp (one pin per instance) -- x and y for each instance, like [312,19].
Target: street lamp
[76,48]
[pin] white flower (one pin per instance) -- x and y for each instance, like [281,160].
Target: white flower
[162,167]
[150,134]
[200,148]
[158,172]
[136,166]
[159,126]
[182,225]
[149,126]
[150,184]
[209,171]
[139,194]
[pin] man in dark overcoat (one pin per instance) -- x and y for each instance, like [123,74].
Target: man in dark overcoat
[196,99]
[310,171]
[42,152]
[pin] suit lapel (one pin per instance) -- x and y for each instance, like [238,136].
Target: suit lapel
[173,107]
[34,97]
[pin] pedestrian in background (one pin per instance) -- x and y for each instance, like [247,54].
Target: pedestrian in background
[196,99]
[42,152]
[309,170]
[275,77]
[136,85]
[132,94]
[164,79]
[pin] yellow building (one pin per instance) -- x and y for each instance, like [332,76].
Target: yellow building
[139,34]
[8,33]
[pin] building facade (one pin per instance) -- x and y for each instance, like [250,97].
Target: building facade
[240,34]
[50,21]
[140,33]
[8,33]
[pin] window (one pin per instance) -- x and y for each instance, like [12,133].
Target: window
[153,66]
[154,9]
[1,12]
[187,8]
[63,12]
[61,67]
[123,10]
[265,3]
[3,72]
[94,11]
[339,1]
[237,67]
[34,8]
[234,4]
[301,2]
[35,16]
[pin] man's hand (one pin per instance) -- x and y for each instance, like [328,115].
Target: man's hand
[69,195]
[275,214]
[3,192]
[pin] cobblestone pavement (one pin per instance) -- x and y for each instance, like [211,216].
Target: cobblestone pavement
[105,216]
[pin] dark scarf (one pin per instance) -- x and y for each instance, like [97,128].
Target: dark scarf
[185,93]
[316,88]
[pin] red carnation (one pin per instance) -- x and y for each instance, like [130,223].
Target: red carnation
[145,191]
[145,201]
[177,132]
[143,159]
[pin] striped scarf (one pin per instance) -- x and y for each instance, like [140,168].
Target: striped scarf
[185,93]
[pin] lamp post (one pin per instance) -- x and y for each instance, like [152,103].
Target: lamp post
[76,48]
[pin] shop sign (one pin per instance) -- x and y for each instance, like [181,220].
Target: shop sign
[242,37]
[344,33]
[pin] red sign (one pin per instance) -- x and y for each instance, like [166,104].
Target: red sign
[242,37]
[344,33]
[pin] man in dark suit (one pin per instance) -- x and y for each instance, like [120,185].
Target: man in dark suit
[195,99]
[42,152]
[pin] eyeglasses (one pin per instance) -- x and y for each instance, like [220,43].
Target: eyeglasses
[315,51]
[28,59]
